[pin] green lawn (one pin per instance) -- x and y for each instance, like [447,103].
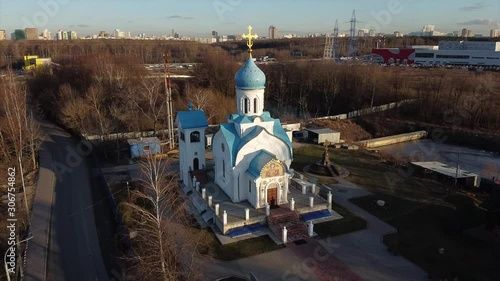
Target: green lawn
[370,170]
[241,249]
[425,227]
[348,224]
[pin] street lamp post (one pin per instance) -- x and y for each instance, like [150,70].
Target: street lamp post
[5,256]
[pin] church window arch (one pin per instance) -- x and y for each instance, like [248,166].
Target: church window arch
[255,101]
[249,186]
[247,105]
[195,136]
[223,168]
[222,147]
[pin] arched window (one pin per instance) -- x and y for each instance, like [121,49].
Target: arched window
[223,168]
[195,136]
[255,105]
[247,105]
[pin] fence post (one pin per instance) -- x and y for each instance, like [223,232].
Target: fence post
[247,214]
[330,198]
[311,201]
[284,236]
[292,204]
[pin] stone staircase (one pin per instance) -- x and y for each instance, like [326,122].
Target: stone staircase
[282,217]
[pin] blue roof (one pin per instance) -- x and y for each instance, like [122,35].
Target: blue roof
[259,162]
[232,138]
[235,143]
[191,119]
[242,119]
[281,134]
[250,77]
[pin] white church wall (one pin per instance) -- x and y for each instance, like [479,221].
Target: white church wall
[222,168]
[250,107]
[263,141]
[191,151]
[250,194]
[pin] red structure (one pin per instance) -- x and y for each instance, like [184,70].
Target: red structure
[394,55]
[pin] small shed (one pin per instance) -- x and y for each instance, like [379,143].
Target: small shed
[452,175]
[142,147]
[321,135]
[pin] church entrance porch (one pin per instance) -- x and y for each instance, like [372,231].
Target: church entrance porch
[272,196]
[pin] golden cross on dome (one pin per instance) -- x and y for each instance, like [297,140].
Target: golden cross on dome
[250,38]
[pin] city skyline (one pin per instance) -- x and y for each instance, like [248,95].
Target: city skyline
[230,17]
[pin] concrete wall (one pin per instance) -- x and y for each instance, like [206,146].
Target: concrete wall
[366,111]
[393,139]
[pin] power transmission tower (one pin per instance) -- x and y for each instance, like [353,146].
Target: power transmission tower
[332,44]
[336,42]
[352,37]
[170,111]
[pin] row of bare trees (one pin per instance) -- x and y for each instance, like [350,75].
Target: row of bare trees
[19,130]
[20,138]
[103,94]
[151,51]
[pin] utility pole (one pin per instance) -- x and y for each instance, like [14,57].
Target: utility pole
[168,91]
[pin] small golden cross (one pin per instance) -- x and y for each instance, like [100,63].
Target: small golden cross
[250,36]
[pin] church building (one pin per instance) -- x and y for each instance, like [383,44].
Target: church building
[252,152]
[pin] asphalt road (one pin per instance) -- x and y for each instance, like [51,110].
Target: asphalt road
[73,245]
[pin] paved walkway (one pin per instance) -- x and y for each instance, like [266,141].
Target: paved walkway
[36,255]
[364,250]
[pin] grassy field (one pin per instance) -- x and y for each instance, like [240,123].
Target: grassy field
[423,228]
[348,224]
[371,171]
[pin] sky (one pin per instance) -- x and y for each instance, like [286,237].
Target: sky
[200,17]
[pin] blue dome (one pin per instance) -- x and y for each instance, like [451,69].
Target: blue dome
[250,77]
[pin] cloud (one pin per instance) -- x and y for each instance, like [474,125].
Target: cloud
[179,17]
[483,22]
[474,7]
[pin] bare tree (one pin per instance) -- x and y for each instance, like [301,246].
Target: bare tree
[164,248]
[33,136]
[204,99]
[150,100]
